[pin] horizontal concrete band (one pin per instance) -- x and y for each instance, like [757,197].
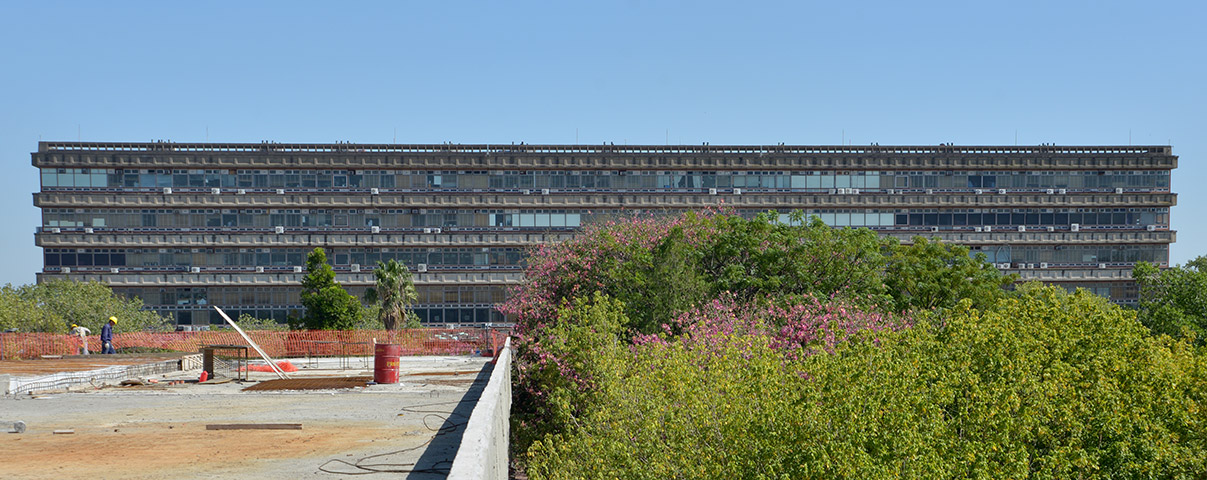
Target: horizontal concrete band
[273,279]
[170,238]
[1026,272]
[625,200]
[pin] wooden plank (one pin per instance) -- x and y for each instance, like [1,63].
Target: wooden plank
[254,426]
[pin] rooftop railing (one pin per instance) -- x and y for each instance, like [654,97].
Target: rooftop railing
[274,147]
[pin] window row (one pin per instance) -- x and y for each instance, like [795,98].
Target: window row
[165,218]
[285,296]
[264,257]
[435,316]
[614,180]
[1074,254]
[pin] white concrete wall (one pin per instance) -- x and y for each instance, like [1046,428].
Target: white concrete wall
[484,446]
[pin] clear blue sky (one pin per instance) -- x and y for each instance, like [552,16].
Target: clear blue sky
[721,72]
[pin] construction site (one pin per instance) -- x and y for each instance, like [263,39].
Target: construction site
[226,411]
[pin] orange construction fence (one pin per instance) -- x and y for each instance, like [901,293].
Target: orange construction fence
[293,343]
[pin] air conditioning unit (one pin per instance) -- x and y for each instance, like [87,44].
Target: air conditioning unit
[1031,266]
[1152,228]
[930,191]
[980,191]
[1062,191]
[978,229]
[66,269]
[374,191]
[934,229]
[56,230]
[1021,266]
[87,229]
[375,229]
[279,230]
[988,228]
[194,269]
[544,191]
[1119,190]
[892,191]
[259,269]
[526,192]
[427,230]
[854,191]
[1043,265]
[297,269]
[1101,265]
[436,230]
[1076,227]
[241,192]
[737,191]
[1003,265]
[280,191]
[421,268]
[1001,191]
[1051,191]
[167,190]
[216,191]
[712,191]
[1051,229]
[1022,228]
[355,268]
[114,270]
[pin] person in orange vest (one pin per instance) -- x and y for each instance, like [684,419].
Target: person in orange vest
[107,336]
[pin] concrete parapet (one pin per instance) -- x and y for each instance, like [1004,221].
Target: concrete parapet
[484,446]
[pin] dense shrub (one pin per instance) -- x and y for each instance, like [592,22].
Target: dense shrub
[1027,389]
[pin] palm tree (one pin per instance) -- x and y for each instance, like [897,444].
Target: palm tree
[395,292]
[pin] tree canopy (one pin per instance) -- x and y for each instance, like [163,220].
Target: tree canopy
[712,346]
[55,305]
[1173,301]
[328,305]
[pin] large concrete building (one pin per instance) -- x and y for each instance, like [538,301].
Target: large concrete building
[187,225]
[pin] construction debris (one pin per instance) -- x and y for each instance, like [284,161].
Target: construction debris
[254,426]
[18,427]
[64,432]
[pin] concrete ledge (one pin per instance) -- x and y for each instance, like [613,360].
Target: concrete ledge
[484,446]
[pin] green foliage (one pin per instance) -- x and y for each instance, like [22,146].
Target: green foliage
[54,306]
[328,305]
[1044,385]
[577,356]
[932,274]
[394,294]
[1173,301]
[248,322]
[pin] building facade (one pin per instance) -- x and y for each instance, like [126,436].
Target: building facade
[188,225]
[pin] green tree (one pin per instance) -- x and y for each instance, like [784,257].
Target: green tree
[328,305]
[55,305]
[930,274]
[394,294]
[248,322]
[1173,301]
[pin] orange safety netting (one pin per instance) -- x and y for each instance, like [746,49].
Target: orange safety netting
[285,366]
[300,343]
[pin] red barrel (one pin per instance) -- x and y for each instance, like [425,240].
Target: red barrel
[385,362]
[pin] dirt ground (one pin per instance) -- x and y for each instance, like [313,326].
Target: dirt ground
[157,432]
[41,366]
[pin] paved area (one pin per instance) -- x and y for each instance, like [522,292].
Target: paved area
[158,430]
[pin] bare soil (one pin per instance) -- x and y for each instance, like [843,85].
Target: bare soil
[46,366]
